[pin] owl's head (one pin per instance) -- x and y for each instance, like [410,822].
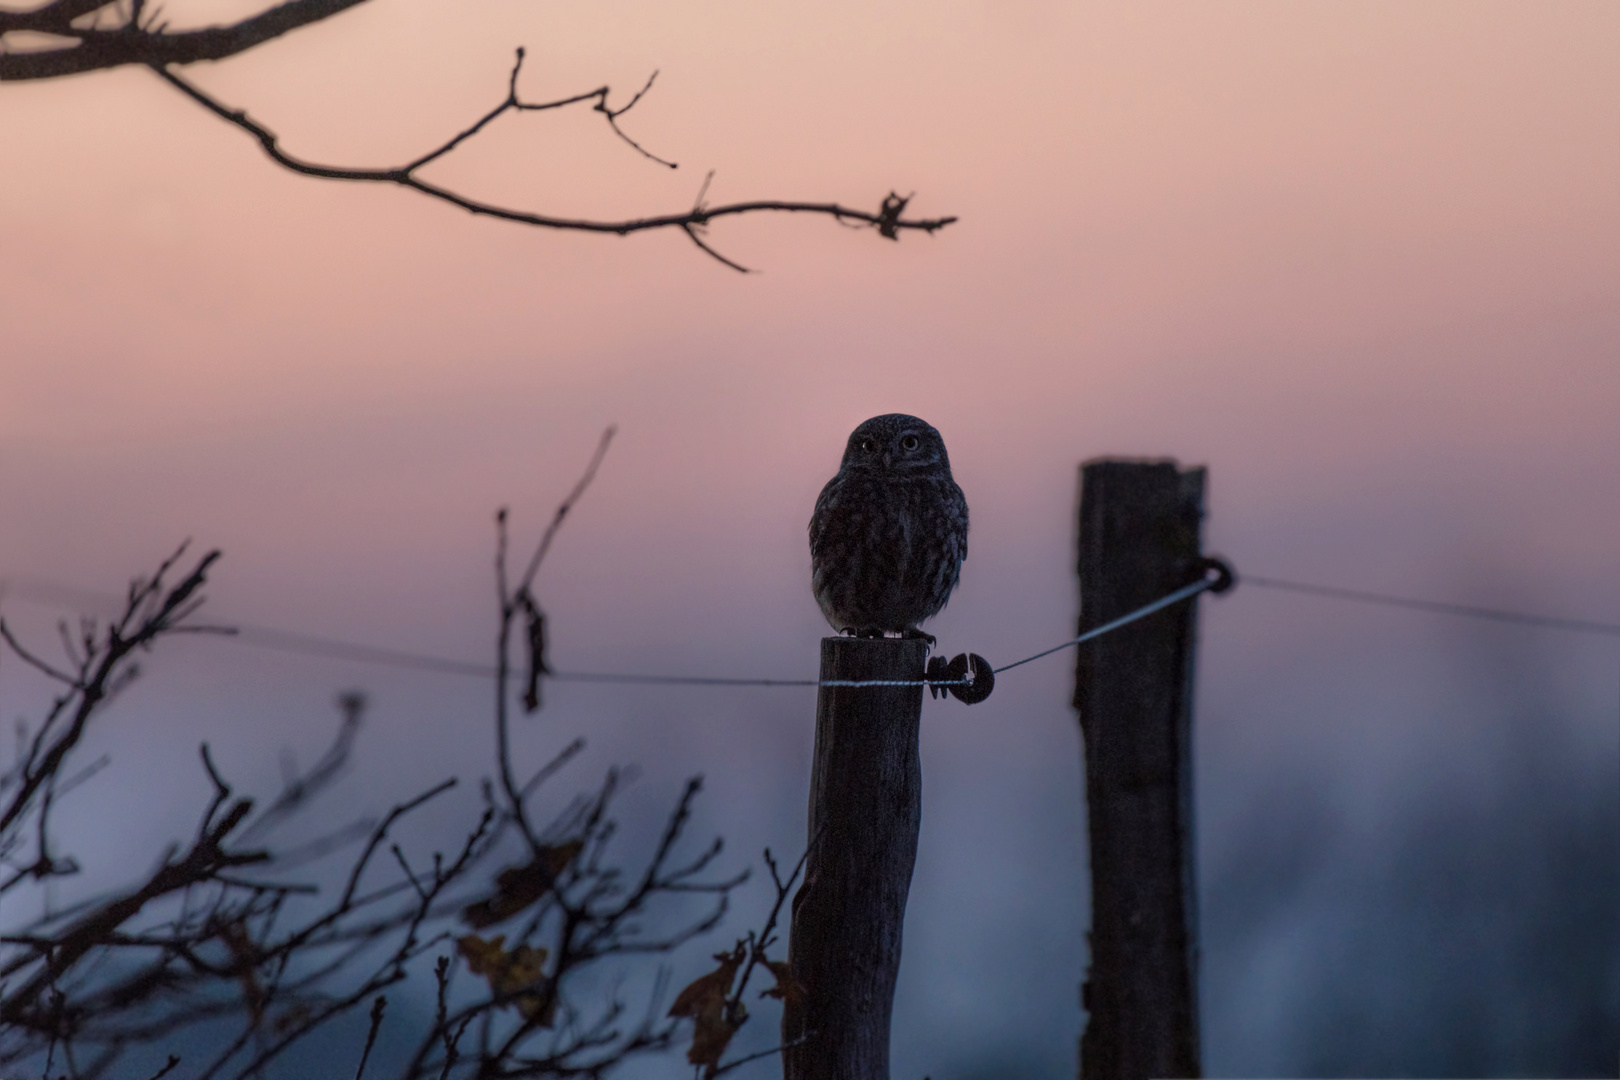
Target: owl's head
[895,443]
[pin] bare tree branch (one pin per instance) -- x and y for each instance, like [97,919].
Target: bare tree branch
[203,940]
[132,43]
[93,47]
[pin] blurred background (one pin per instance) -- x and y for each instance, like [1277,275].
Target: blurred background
[1361,260]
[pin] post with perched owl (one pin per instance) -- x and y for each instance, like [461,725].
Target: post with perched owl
[865,813]
[1139,540]
[887,541]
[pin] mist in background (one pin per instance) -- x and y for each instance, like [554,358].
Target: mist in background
[1362,261]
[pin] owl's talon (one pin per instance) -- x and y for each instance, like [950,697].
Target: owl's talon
[913,632]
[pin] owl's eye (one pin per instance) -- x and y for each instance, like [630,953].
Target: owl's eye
[869,445]
[910,442]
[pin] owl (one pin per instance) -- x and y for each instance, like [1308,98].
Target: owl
[889,532]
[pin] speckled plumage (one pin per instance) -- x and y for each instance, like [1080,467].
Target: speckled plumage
[889,532]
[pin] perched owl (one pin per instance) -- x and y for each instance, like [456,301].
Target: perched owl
[889,532]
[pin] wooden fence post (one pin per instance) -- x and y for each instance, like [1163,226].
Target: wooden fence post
[1139,539]
[865,808]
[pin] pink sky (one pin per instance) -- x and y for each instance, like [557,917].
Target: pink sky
[1309,244]
[1362,259]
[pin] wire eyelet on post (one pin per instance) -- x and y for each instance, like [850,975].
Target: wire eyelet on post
[984,681]
[1225,576]
[953,675]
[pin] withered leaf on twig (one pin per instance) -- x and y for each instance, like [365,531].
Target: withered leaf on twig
[509,972]
[537,650]
[295,1017]
[704,1000]
[519,886]
[243,955]
[787,989]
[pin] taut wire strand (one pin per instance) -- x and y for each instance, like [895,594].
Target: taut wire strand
[289,641]
[1521,618]
[1183,593]
[313,645]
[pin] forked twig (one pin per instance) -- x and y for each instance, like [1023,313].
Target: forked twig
[888,220]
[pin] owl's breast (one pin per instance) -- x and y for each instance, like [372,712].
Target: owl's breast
[885,551]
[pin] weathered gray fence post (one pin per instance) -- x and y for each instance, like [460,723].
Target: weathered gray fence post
[1139,539]
[865,808]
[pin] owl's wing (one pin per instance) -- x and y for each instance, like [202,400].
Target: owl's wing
[826,502]
[961,505]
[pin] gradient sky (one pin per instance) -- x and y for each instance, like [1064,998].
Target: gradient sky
[1361,259]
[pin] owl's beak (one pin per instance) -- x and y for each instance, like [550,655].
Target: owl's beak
[888,459]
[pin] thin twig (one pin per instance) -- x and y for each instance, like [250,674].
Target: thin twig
[756,1055]
[33,661]
[377,1008]
[565,506]
[691,231]
[888,220]
[168,1068]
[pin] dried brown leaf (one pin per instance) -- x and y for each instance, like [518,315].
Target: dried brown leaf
[243,958]
[293,1018]
[715,986]
[537,651]
[518,887]
[712,1035]
[787,989]
[704,1000]
[510,972]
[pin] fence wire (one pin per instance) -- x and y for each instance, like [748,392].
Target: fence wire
[1438,607]
[290,641]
